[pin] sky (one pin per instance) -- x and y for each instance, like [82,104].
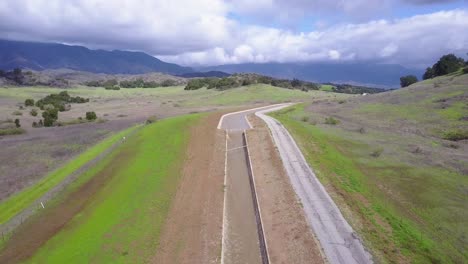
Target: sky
[413,33]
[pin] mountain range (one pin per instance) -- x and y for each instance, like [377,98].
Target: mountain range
[42,56]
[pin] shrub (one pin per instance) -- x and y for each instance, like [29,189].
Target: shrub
[304,118]
[167,83]
[115,87]
[29,102]
[362,130]
[59,101]
[11,131]
[456,135]
[34,124]
[465,70]
[50,117]
[195,84]
[91,116]
[17,123]
[331,121]
[33,112]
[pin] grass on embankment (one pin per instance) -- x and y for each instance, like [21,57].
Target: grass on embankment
[25,198]
[406,214]
[124,220]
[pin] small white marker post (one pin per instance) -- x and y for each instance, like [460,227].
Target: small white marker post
[42,205]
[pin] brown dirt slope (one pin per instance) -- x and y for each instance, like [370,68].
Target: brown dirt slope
[192,233]
[287,232]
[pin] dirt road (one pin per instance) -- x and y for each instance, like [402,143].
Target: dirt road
[337,238]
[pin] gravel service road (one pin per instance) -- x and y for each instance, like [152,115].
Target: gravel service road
[338,240]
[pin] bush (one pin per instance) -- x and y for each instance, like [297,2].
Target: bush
[59,101]
[17,123]
[168,83]
[33,112]
[304,118]
[91,116]
[29,102]
[195,84]
[331,121]
[465,70]
[50,117]
[34,124]
[11,131]
[456,135]
[112,87]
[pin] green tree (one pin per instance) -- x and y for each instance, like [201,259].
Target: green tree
[17,123]
[408,80]
[447,64]
[429,73]
[50,116]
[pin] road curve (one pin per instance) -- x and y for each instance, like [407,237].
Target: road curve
[340,243]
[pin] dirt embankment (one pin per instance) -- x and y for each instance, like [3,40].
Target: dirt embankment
[287,233]
[37,230]
[192,233]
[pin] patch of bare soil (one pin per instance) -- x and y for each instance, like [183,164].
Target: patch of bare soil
[288,236]
[192,233]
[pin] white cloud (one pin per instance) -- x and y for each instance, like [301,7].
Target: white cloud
[415,41]
[205,32]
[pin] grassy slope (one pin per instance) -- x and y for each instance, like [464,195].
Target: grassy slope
[23,199]
[407,210]
[257,93]
[124,221]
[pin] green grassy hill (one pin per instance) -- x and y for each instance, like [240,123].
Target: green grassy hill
[388,163]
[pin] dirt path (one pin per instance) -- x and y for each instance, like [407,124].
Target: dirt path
[288,235]
[192,233]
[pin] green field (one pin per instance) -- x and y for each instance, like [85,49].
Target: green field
[412,213]
[25,198]
[326,87]
[256,93]
[123,222]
